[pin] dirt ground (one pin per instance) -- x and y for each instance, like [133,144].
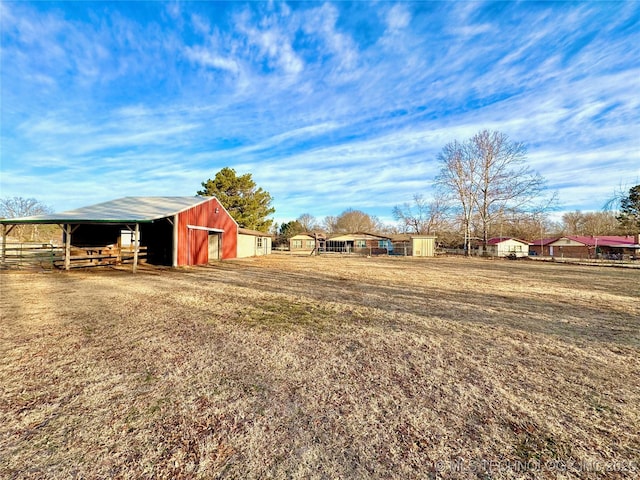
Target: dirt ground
[322,367]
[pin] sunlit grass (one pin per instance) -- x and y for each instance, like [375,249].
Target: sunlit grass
[311,367]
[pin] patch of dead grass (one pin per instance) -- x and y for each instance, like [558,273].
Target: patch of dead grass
[306,367]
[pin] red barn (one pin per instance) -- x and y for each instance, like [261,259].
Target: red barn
[169,230]
[206,232]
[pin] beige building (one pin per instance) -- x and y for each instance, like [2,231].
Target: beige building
[305,242]
[410,245]
[252,243]
[423,245]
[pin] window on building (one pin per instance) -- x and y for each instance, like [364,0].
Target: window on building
[382,243]
[311,243]
[360,243]
[260,242]
[296,243]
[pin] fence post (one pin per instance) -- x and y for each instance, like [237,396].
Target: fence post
[4,245]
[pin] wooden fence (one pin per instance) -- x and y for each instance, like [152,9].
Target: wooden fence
[43,255]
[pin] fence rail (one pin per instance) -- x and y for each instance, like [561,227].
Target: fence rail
[45,255]
[29,255]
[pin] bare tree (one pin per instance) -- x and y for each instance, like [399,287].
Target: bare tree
[590,223]
[458,177]
[308,222]
[15,207]
[573,223]
[422,216]
[601,223]
[329,223]
[351,221]
[489,176]
[526,227]
[505,181]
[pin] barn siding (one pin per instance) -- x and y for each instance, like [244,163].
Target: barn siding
[193,244]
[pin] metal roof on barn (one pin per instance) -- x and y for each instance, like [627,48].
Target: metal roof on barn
[121,210]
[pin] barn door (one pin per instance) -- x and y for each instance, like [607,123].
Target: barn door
[214,246]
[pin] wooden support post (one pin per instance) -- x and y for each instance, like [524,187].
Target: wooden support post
[136,247]
[67,246]
[4,245]
[68,230]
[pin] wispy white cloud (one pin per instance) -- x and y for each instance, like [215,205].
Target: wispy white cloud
[209,58]
[398,17]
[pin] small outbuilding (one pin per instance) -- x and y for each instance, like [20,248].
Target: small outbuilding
[507,246]
[307,242]
[252,243]
[170,231]
[423,245]
[413,245]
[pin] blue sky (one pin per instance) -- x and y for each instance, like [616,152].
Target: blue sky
[328,105]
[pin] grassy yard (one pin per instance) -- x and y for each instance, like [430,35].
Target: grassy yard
[316,367]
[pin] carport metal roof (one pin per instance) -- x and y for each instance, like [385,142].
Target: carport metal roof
[124,210]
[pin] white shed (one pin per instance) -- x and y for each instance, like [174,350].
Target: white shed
[252,243]
[505,246]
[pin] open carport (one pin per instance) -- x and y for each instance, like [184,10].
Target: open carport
[170,231]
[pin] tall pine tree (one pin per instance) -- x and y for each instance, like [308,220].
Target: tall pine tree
[248,204]
[629,216]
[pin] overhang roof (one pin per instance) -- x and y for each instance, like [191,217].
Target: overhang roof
[121,210]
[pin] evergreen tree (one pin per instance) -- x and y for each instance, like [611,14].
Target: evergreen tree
[629,216]
[246,203]
[291,229]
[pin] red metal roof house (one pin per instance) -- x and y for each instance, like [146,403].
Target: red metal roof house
[583,246]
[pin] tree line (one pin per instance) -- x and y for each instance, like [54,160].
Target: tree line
[484,188]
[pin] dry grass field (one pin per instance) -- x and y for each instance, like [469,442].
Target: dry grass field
[316,367]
